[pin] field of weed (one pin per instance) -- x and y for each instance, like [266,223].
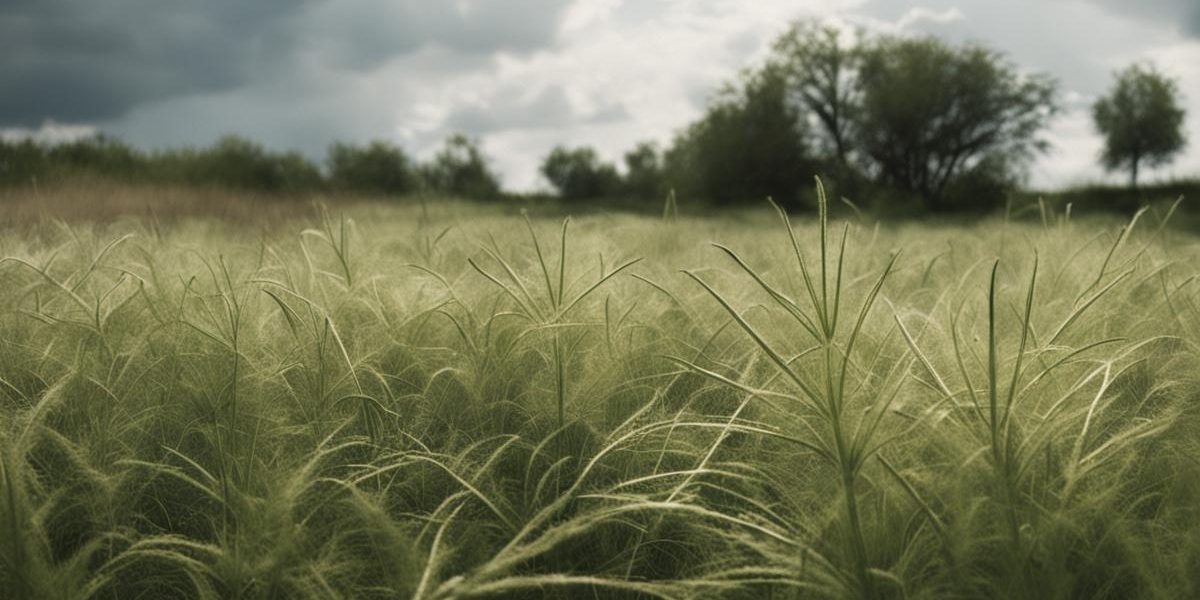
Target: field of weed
[450,401]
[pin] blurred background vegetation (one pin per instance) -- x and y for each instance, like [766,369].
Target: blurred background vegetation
[904,126]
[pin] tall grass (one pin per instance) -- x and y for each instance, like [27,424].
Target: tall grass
[437,402]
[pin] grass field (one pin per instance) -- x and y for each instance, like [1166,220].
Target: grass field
[450,401]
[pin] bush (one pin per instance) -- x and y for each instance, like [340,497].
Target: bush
[26,161]
[22,162]
[460,169]
[579,174]
[751,144]
[644,173]
[379,168]
[1120,199]
[232,162]
[236,162]
[100,154]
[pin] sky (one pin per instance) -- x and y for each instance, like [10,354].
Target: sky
[520,75]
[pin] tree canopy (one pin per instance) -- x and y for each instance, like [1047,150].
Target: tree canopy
[951,125]
[932,112]
[378,167]
[461,169]
[750,144]
[1141,120]
[821,69]
[579,174]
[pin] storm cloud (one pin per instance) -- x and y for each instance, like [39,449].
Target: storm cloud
[74,60]
[80,60]
[524,75]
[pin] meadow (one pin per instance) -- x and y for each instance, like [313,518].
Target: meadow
[451,400]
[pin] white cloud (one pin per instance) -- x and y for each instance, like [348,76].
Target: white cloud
[656,61]
[1074,152]
[50,132]
[920,15]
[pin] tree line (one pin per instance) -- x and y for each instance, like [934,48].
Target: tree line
[944,126]
[898,119]
[459,168]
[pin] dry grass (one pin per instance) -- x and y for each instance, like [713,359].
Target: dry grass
[105,201]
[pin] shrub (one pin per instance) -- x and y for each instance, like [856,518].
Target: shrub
[750,144]
[378,167]
[461,169]
[232,162]
[644,172]
[579,174]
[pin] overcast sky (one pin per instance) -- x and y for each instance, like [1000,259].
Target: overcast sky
[523,75]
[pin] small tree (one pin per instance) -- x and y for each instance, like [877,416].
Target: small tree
[379,167]
[750,144]
[579,174]
[643,172]
[461,169]
[1141,120]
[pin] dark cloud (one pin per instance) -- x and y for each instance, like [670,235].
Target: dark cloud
[75,60]
[362,33]
[87,61]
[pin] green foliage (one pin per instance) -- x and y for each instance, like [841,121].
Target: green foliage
[579,174]
[99,154]
[931,112]
[644,177]
[20,161]
[749,145]
[952,126]
[1141,120]
[238,163]
[1173,197]
[822,398]
[232,162]
[821,71]
[460,169]
[378,168]
[24,161]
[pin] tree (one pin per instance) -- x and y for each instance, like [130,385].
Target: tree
[236,162]
[579,174]
[931,112]
[1141,120]
[461,169]
[643,172]
[750,144]
[821,73]
[100,154]
[379,167]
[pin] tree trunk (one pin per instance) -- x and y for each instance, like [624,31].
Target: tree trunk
[840,149]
